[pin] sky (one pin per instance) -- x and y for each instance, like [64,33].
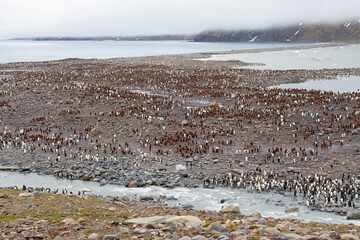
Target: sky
[32,18]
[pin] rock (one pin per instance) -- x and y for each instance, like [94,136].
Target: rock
[223,237]
[180,167]
[185,122]
[140,231]
[252,219]
[185,238]
[188,221]
[125,198]
[292,209]
[68,221]
[146,220]
[103,182]
[216,226]
[95,132]
[348,237]
[124,230]
[133,184]
[146,198]
[231,209]
[214,104]
[269,231]
[94,236]
[289,236]
[4,195]
[58,238]
[86,177]
[198,237]
[256,215]
[353,215]
[111,237]
[26,194]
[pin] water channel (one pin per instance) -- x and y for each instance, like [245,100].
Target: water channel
[269,204]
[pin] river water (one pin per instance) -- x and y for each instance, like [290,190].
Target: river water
[25,51]
[269,204]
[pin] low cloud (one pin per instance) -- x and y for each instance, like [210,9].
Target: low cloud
[27,18]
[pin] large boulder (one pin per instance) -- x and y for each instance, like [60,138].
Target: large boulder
[133,184]
[353,215]
[291,209]
[231,209]
[180,167]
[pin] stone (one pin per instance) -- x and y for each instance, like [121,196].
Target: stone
[269,231]
[289,236]
[125,198]
[185,238]
[146,198]
[223,237]
[185,122]
[3,195]
[252,219]
[58,238]
[198,237]
[133,184]
[216,226]
[188,221]
[256,215]
[26,194]
[353,215]
[103,182]
[231,209]
[291,209]
[68,221]
[348,237]
[214,104]
[140,231]
[94,236]
[111,237]
[180,167]
[95,132]
[146,220]
[124,230]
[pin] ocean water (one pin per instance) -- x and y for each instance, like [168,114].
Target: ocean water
[269,204]
[347,56]
[25,51]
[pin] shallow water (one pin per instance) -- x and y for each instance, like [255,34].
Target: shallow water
[341,84]
[268,204]
[25,51]
[315,58]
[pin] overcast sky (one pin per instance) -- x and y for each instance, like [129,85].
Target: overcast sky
[27,18]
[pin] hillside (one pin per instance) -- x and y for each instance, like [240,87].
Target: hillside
[347,31]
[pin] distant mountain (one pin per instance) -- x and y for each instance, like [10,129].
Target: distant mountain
[122,38]
[347,31]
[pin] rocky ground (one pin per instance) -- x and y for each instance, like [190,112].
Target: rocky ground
[51,216]
[174,121]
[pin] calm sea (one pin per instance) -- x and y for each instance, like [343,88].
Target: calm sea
[24,51]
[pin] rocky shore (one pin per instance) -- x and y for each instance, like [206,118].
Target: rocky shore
[47,216]
[175,121]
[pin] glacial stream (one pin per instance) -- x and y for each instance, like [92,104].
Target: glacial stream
[269,204]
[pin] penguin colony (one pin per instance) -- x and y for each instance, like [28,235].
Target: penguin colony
[109,119]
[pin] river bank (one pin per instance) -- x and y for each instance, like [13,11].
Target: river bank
[48,216]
